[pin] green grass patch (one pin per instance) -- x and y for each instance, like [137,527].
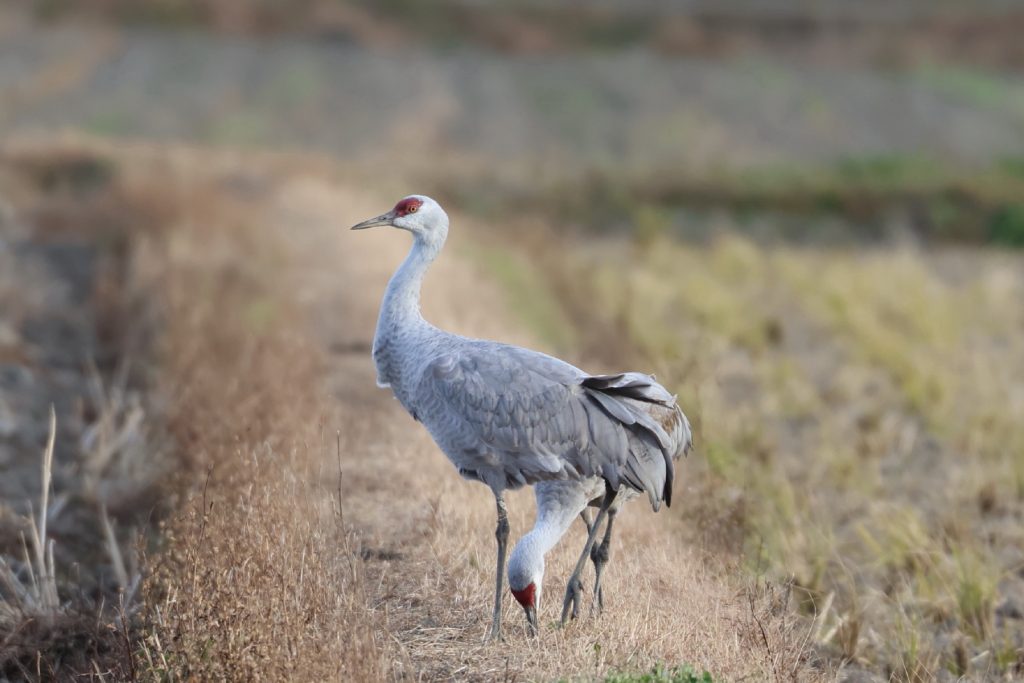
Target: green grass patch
[1006,226]
[662,674]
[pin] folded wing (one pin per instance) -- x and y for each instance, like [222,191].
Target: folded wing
[539,418]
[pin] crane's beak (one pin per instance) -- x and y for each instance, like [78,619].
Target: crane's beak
[531,621]
[383,219]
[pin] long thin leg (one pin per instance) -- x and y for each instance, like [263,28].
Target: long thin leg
[574,588]
[500,533]
[585,516]
[599,556]
[577,589]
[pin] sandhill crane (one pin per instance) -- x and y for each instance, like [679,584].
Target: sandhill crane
[507,416]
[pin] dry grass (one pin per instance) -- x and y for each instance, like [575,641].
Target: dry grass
[256,577]
[859,414]
[43,634]
[35,595]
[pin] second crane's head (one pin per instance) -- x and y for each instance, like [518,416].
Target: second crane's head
[418,214]
[526,576]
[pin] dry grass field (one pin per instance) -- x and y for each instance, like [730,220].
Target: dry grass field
[313,531]
[854,504]
[860,419]
[811,236]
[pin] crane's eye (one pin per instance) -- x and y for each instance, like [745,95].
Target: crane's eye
[412,209]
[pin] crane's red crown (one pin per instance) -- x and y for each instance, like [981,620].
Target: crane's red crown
[525,596]
[407,206]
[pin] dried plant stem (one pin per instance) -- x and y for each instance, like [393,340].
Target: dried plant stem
[113,549]
[46,583]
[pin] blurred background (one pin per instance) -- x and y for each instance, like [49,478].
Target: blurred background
[816,121]
[805,215]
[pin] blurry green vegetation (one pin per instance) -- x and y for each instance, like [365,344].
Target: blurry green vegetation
[297,84]
[942,204]
[1007,226]
[72,173]
[527,293]
[982,35]
[242,128]
[159,12]
[662,674]
[108,123]
[975,87]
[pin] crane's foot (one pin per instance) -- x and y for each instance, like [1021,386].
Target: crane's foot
[574,588]
[494,635]
[573,597]
[597,604]
[599,555]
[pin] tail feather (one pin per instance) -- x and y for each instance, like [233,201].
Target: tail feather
[629,399]
[635,385]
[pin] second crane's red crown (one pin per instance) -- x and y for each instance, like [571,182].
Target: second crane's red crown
[525,596]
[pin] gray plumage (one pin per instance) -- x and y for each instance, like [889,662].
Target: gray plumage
[508,416]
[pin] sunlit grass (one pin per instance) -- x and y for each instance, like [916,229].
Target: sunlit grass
[893,312]
[952,349]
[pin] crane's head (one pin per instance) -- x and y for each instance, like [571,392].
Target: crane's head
[525,578]
[418,214]
[529,598]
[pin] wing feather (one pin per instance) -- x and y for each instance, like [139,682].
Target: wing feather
[540,418]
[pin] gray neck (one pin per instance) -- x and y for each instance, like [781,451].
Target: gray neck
[526,564]
[401,305]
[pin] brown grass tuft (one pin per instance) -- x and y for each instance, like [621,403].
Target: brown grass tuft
[259,577]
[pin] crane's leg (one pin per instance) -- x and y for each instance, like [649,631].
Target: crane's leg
[500,533]
[599,556]
[585,516]
[574,589]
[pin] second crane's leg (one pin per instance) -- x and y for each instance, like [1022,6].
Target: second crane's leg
[578,589]
[574,587]
[585,516]
[599,556]
[500,533]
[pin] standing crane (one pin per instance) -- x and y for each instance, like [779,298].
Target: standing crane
[510,417]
